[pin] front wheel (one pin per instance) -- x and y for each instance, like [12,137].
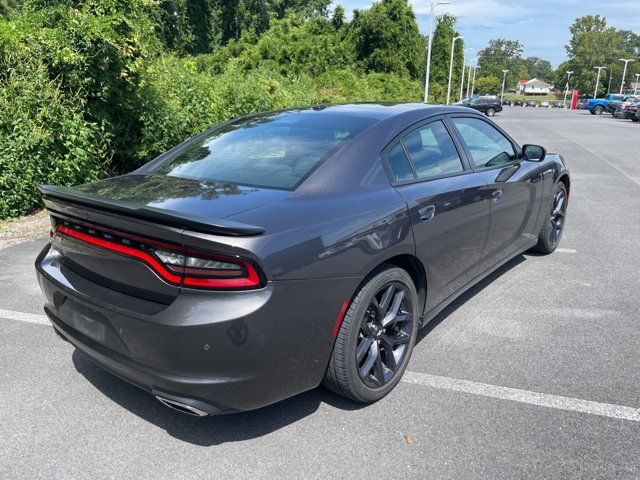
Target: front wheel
[553,226]
[491,112]
[376,338]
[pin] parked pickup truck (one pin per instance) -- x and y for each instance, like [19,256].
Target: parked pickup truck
[607,104]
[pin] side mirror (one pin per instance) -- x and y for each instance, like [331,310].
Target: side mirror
[535,153]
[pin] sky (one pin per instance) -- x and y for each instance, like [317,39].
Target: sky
[542,26]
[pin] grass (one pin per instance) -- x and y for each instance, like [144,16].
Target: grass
[550,98]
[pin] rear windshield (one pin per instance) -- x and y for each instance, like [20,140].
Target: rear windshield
[273,151]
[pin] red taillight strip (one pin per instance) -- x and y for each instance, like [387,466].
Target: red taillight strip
[251,280]
[123,250]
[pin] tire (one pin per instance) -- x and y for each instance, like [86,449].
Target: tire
[597,110]
[549,236]
[490,112]
[359,335]
[635,119]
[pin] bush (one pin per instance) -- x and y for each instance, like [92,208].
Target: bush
[43,139]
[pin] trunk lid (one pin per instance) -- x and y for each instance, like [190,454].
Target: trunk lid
[117,232]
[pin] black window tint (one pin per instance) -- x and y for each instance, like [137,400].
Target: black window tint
[432,151]
[488,147]
[399,164]
[273,150]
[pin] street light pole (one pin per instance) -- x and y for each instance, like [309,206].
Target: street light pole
[464,64]
[453,44]
[473,84]
[566,90]
[635,92]
[504,78]
[595,93]
[426,82]
[624,72]
[469,78]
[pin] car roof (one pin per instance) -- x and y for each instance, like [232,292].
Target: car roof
[381,111]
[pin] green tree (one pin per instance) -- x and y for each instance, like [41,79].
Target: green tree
[539,68]
[386,38]
[488,85]
[443,35]
[503,54]
[593,43]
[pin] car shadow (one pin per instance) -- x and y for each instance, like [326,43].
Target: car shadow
[207,431]
[217,430]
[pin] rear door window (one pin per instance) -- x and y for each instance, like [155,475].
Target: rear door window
[432,151]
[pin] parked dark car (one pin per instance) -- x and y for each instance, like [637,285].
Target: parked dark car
[637,115]
[518,103]
[285,249]
[507,102]
[531,103]
[489,105]
[558,104]
[627,111]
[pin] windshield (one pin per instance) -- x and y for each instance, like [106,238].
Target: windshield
[275,150]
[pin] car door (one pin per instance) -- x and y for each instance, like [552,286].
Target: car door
[513,185]
[449,215]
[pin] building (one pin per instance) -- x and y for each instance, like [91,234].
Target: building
[534,87]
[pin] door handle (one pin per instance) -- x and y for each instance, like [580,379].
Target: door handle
[496,196]
[427,213]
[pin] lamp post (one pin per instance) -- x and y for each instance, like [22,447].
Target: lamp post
[566,89]
[453,45]
[426,83]
[469,78]
[635,91]
[595,93]
[473,83]
[464,64]
[624,72]
[504,79]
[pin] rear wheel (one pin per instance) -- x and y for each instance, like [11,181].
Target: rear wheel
[553,226]
[597,110]
[491,112]
[376,339]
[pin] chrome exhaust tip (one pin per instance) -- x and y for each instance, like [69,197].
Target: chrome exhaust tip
[181,407]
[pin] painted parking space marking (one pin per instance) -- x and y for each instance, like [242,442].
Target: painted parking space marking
[24,317]
[453,384]
[566,250]
[620,412]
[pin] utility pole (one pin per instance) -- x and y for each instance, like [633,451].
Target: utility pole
[453,45]
[426,82]
[473,84]
[635,92]
[595,93]
[504,78]
[624,72]
[566,90]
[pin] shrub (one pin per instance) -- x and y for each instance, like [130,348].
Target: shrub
[43,139]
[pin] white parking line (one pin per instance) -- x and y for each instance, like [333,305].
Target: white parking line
[465,386]
[524,396]
[24,317]
[566,250]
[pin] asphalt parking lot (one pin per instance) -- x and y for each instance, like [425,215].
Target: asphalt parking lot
[533,373]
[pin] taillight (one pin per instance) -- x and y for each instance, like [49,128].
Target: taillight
[174,264]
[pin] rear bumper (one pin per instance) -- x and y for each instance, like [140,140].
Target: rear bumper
[217,352]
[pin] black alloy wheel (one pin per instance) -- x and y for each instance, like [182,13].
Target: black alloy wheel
[556,217]
[385,332]
[376,338]
[553,226]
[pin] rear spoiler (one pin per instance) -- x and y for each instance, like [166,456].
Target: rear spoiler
[153,214]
